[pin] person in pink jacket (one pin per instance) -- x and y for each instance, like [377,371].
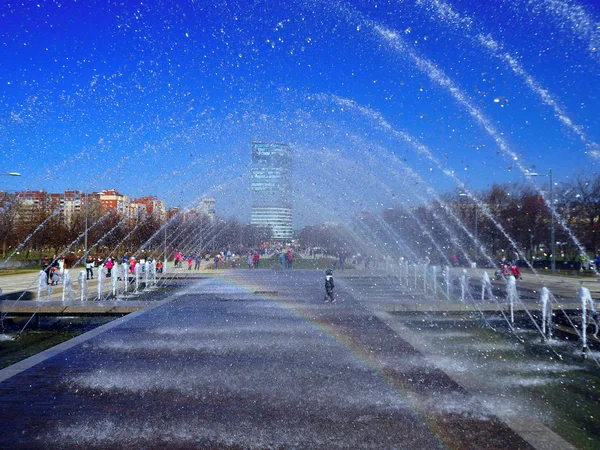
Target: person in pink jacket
[109,265]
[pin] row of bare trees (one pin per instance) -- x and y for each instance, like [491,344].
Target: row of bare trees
[511,221]
[39,232]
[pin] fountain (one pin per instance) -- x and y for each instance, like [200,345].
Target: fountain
[447,281]
[137,278]
[83,285]
[146,275]
[511,296]
[486,288]
[416,274]
[67,286]
[394,153]
[100,282]
[587,303]
[115,280]
[43,288]
[546,313]
[464,285]
[125,276]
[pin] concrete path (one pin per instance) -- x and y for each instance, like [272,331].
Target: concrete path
[254,360]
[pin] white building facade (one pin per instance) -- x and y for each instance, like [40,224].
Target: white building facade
[271,185]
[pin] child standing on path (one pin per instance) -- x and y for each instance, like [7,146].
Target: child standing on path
[109,265]
[329,286]
[89,265]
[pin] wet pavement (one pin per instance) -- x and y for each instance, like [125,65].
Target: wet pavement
[251,359]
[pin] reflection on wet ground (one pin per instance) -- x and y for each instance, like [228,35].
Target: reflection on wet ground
[220,366]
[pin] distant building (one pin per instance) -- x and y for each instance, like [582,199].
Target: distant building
[271,184]
[153,207]
[73,202]
[111,200]
[207,206]
[33,205]
[138,211]
[172,212]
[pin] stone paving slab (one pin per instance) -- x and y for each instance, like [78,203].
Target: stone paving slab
[220,367]
[32,361]
[540,436]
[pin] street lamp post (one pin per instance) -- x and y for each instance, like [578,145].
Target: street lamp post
[552,235]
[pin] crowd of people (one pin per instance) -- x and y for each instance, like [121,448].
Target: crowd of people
[507,269]
[216,260]
[194,260]
[588,263]
[55,267]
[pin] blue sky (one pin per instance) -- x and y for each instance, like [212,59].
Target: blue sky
[154,98]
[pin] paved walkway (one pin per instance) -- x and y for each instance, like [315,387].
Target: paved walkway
[253,359]
[563,286]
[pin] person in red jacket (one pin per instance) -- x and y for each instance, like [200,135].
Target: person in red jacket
[256,259]
[516,272]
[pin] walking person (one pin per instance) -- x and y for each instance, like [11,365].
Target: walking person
[47,267]
[89,266]
[249,260]
[582,261]
[132,264]
[256,259]
[178,258]
[329,285]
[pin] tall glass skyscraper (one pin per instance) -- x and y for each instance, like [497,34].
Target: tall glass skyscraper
[272,188]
